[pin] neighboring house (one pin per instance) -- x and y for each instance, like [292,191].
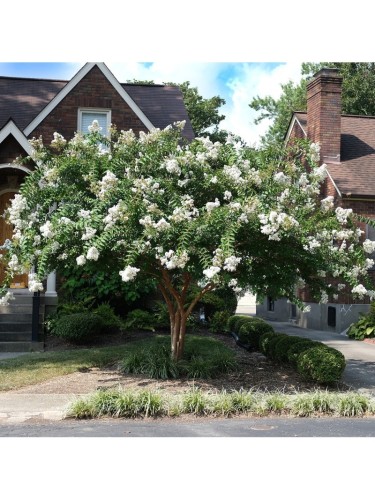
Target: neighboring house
[347,145]
[31,107]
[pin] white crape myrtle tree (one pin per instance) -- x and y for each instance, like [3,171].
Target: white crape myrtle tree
[195,216]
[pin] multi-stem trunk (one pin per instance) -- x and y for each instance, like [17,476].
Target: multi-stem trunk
[179,311]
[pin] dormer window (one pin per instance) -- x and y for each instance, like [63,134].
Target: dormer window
[87,115]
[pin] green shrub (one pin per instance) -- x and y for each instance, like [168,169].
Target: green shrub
[138,319]
[218,322]
[161,315]
[264,342]
[251,331]
[108,317]
[283,346]
[79,327]
[235,322]
[321,364]
[296,348]
[273,343]
[222,299]
[365,327]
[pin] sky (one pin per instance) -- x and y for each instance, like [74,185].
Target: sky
[236,82]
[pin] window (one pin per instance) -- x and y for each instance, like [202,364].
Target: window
[86,116]
[270,304]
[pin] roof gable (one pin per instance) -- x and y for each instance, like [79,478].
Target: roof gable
[12,129]
[71,85]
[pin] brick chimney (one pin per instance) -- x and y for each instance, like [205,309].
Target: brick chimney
[324,113]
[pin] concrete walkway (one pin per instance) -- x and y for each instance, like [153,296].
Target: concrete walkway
[359,374]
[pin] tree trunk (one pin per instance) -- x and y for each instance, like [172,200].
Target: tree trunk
[178,331]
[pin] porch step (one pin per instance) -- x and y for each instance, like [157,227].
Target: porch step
[21,346]
[16,323]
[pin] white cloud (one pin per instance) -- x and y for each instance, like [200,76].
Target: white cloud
[253,80]
[247,81]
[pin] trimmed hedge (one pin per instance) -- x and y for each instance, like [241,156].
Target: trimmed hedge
[321,363]
[251,331]
[313,360]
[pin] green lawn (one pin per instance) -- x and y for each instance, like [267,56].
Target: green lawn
[39,367]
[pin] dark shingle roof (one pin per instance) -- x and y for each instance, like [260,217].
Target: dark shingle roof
[22,99]
[355,174]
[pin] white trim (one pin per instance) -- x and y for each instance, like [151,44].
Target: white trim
[333,182]
[294,120]
[15,166]
[102,111]
[133,106]
[11,128]
[9,190]
[70,86]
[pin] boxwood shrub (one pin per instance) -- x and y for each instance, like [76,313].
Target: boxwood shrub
[235,322]
[296,348]
[273,343]
[251,331]
[78,327]
[282,348]
[321,363]
[264,342]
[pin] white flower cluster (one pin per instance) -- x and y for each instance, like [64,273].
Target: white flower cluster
[4,301]
[231,263]
[186,212]
[143,185]
[89,233]
[360,291]
[327,204]
[17,205]
[211,271]
[281,178]
[211,205]
[274,222]
[94,127]
[234,174]
[172,166]
[115,213]
[34,284]
[319,173]
[369,246]
[312,244]
[126,137]
[342,214]
[81,260]
[161,225]
[46,230]
[85,214]
[129,273]
[315,151]
[233,283]
[58,140]
[92,254]
[108,182]
[171,260]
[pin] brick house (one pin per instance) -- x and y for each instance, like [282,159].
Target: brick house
[31,107]
[347,145]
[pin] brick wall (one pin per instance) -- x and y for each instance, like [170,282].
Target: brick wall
[93,91]
[324,113]
[10,149]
